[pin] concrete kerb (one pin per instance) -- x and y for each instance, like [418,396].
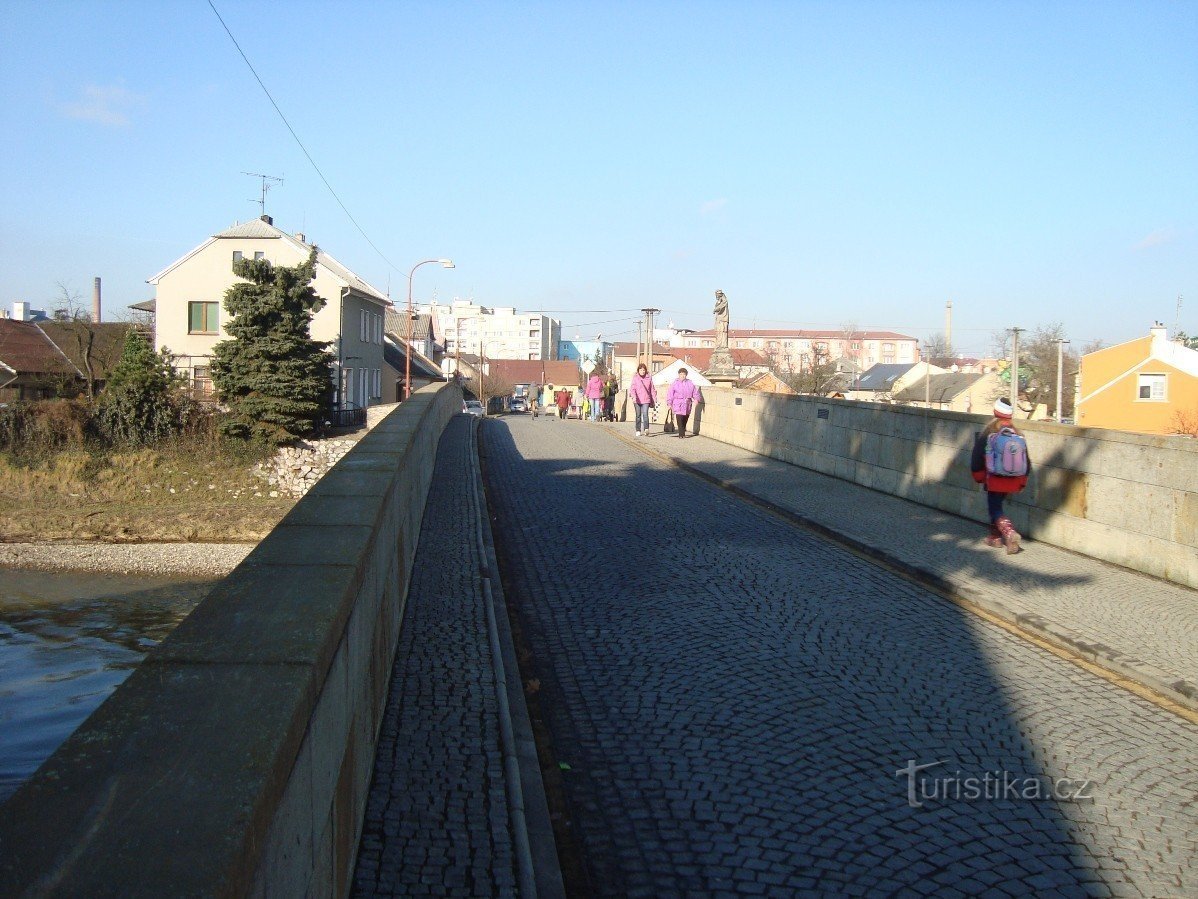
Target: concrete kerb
[534,845]
[1168,688]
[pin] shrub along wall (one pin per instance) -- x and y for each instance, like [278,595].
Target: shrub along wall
[1125,498]
[236,759]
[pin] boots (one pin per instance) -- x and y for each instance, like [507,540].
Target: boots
[994,538]
[1010,536]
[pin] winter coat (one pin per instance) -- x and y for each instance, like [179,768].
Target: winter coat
[642,390]
[994,483]
[594,388]
[562,398]
[682,396]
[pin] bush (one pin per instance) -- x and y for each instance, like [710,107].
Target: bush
[46,426]
[140,404]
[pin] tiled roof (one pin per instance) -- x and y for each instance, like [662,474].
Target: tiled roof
[258,229]
[422,366]
[939,388]
[107,343]
[883,375]
[700,357]
[25,349]
[803,334]
[531,371]
[395,324]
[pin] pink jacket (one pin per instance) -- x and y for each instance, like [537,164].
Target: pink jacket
[594,387]
[682,396]
[642,390]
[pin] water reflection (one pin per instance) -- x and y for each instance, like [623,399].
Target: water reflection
[67,640]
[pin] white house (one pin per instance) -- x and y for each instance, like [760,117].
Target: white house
[191,320]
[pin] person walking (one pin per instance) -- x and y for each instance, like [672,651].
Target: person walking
[611,387]
[1002,478]
[643,395]
[594,394]
[681,398]
[562,399]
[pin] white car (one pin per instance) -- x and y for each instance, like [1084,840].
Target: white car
[473,407]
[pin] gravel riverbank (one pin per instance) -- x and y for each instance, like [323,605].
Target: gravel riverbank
[214,559]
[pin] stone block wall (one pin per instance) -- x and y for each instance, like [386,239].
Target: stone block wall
[236,759]
[1130,499]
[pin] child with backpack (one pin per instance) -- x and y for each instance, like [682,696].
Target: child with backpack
[1000,463]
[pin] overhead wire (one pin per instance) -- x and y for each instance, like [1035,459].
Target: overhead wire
[266,91]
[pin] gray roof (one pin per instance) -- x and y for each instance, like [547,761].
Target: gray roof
[939,388]
[393,355]
[395,324]
[260,229]
[881,377]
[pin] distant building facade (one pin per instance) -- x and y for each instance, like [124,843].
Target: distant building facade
[798,350]
[495,333]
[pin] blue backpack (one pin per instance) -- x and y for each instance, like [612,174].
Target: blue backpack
[1006,454]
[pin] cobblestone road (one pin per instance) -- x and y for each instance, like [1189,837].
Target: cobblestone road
[736,699]
[437,817]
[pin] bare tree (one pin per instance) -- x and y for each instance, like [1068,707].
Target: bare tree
[68,305]
[1000,344]
[936,346]
[1038,361]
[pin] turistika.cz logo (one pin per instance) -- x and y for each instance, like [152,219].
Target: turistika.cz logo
[993,786]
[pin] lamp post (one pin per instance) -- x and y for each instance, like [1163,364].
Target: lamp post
[1060,372]
[407,365]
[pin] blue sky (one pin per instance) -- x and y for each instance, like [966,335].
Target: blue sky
[822,163]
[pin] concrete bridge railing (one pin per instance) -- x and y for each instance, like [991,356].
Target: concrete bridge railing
[236,759]
[1125,498]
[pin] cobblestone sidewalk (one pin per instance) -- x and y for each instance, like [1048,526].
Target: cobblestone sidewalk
[1143,627]
[437,817]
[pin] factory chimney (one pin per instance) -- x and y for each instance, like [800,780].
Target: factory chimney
[96,300]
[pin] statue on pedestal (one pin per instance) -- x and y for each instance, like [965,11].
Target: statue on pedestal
[722,369]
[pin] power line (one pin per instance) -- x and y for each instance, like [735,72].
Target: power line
[344,208]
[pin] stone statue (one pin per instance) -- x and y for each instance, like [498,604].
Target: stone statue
[721,370]
[721,320]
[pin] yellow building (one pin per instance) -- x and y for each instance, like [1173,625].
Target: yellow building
[1148,385]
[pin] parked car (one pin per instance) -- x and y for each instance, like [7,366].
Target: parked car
[473,407]
[519,404]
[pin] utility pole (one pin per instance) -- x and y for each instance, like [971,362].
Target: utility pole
[1060,372]
[649,313]
[1015,332]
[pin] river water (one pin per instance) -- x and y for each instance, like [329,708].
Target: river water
[67,640]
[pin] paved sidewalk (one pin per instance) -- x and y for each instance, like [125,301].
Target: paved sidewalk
[439,817]
[1139,626]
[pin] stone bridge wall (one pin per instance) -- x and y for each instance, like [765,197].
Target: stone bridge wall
[236,759]
[1125,498]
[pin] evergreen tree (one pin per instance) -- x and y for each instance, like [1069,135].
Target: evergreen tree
[138,405]
[272,376]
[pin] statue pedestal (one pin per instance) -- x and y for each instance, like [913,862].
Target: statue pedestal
[722,372]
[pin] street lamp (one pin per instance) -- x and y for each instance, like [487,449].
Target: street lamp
[407,365]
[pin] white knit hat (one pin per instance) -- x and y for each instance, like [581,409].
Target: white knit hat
[1002,408]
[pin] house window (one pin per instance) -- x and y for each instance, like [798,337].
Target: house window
[1152,387]
[377,387]
[238,255]
[201,382]
[362,326]
[201,317]
[259,254]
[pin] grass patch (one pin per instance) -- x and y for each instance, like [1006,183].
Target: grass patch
[195,490]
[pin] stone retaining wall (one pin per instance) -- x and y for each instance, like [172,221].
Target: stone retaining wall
[1125,498]
[236,759]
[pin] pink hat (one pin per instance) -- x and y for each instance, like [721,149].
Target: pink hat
[1002,408]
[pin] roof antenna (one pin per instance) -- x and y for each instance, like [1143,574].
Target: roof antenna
[1177,319]
[261,201]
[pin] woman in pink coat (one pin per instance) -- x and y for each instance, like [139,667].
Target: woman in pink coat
[681,399]
[594,393]
[643,396]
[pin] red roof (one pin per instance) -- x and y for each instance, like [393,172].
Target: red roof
[26,349]
[700,357]
[531,371]
[803,334]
